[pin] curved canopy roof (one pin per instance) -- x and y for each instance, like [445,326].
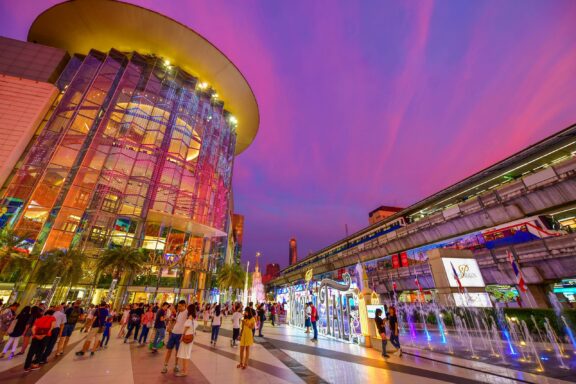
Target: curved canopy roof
[81,25]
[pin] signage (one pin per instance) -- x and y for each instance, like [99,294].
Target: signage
[404,259]
[467,270]
[395,261]
[371,309]
[474,299]
[309,275]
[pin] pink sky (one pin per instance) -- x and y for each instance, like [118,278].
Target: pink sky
[365,103]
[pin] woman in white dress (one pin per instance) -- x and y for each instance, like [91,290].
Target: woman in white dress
[185,349]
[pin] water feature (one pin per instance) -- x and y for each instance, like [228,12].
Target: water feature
[555,344]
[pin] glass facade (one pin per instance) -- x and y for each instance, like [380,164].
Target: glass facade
[136,153]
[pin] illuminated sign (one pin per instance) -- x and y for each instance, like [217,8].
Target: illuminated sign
[475,299]
[309,275]
[371,309]
[467,270]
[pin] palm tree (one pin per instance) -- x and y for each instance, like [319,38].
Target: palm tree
[125,261]
[66,263]
[122,260]
[12,253]
[230,276]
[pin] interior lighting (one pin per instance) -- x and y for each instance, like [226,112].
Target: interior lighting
[167,63]
[233,120]
[203,85]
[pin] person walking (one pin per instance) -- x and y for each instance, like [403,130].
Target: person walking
[98,322]
[7,315]
[106,332]
[314,320]
[393,323]
[236,318]
[135,319]
[261,317]
[73,314]
[381,327]
[273,314]
[89,318]
[53,338]
[14,334]
[41,331]
[185,351]
[206,316]
[124,321]
[175,336]
[246,337]
[160,327]
[307,315]
[147,323]
[216,323]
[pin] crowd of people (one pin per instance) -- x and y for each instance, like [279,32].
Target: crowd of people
[40,331]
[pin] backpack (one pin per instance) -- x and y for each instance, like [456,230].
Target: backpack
[73,317]
[6,318]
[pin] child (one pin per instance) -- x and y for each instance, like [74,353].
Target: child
[106,333]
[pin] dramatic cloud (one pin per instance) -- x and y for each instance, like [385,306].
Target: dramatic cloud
[374,102]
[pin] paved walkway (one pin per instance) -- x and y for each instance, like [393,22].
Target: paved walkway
[285,355]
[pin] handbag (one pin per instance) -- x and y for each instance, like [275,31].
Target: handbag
[187,339]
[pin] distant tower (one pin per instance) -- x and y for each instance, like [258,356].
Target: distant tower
[257,286]
[293,252]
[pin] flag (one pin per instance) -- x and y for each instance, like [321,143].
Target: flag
[517,272]
[460,287]
[418,283]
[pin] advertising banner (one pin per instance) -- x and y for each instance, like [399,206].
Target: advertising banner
[467,270]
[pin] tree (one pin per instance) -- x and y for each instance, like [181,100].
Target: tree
[66,263]
[12,253]
[122,260]
[230,276]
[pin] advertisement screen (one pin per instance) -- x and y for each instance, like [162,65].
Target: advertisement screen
[467,270]
[372,311]
[480,300]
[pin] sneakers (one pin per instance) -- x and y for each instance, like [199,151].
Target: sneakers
[176,369]
[164,369]
[385,355]
[79,353]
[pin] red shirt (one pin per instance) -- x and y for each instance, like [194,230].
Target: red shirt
[44,322]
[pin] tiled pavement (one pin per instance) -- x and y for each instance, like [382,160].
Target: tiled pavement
[285,355]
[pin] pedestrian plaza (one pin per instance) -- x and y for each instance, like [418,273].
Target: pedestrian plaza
[284,355]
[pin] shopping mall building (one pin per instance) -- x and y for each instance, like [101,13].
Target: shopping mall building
[123,127]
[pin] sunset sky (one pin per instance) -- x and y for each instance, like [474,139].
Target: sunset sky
[368,103]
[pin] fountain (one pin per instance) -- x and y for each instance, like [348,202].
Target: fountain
[530,344]
[555,344]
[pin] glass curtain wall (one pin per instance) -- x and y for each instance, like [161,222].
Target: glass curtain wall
[133,154]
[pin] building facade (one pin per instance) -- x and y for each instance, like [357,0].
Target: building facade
[139,149]
[381,213]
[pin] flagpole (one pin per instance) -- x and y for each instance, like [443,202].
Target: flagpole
[512,257]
